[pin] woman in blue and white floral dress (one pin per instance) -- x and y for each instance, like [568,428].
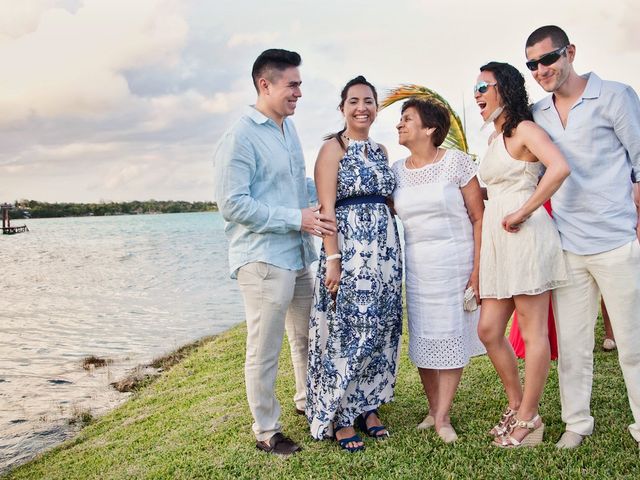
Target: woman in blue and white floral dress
[356,319]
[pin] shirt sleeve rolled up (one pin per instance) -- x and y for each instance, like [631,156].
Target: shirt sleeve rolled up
[626,124]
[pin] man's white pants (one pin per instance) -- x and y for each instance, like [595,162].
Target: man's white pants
[274,299]
[616,274]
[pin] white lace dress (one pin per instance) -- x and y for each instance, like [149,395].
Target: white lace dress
[438,260]
[530,261]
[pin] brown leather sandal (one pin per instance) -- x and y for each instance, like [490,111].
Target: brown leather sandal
[278,444]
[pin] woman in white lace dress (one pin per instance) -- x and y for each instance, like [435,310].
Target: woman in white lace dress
[439,201]
[521,259]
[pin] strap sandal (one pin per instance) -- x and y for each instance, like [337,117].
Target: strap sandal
[502,427]
[378,432]
[531,439]
[344,442]
[278,444]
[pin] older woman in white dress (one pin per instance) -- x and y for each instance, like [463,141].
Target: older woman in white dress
[439,201]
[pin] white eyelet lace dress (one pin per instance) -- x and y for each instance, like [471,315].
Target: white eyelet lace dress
[438,260]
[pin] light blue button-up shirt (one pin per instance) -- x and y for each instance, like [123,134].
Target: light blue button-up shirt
[260,188]
[594,208]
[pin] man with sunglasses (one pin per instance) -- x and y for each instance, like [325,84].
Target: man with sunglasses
[596,125]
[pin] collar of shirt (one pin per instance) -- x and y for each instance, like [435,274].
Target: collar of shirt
[592,90]
[256,115]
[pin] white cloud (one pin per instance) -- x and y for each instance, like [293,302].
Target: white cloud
[18,17]
[74,63]
[250,39]
[124,99]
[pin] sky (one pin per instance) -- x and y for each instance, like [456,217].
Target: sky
[120,100]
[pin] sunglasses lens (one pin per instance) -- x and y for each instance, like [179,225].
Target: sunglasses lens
[546,60]
[549,59]
[481,88]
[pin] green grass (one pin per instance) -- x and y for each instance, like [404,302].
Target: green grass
[194,422]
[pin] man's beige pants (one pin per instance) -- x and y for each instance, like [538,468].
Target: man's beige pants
[274,299]
[616,274]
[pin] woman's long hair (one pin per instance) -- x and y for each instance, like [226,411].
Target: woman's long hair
[359,80]
[513,93]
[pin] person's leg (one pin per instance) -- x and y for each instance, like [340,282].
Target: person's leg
[429,379]
[297,326]
[267,292]
[533,313]
[618,275]
[448,381]
[494,316]
[575,307]
[609,342]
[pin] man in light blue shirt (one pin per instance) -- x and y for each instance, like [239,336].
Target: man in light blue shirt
[264,196]
[596,125]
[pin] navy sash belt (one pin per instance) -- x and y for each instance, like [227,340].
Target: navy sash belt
[361,199]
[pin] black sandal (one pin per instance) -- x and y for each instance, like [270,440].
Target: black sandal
[344,442]
[278,444]
[373,432]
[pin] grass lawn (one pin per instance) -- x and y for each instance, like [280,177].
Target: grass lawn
[194,422]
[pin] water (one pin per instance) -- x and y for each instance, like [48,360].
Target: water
[128,288]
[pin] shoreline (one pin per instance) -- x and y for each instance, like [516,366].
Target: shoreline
[193,422]
[135,379]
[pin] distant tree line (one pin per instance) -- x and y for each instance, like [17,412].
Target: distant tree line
[35,209]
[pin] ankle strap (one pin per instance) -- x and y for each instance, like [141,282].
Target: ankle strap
[366,414]
[530,425]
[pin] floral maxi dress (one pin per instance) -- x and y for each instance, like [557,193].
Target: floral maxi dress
[354,341]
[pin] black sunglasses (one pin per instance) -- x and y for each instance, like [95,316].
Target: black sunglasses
[547,59]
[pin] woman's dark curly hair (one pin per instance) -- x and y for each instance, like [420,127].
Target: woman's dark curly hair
[513,92]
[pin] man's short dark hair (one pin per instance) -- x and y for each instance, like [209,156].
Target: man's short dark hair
[558,36]
[273,59]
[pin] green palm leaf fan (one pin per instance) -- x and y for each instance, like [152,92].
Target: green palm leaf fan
[456,137]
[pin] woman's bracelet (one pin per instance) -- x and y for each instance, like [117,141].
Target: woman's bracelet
[335,256]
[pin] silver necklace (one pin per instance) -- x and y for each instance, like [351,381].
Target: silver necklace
[413,165]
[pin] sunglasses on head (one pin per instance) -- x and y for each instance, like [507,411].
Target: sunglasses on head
[482,87]
[547,59]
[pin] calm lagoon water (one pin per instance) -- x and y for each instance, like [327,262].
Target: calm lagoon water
[129,288]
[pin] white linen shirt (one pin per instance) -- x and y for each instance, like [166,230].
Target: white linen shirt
[594,208]
[261,187]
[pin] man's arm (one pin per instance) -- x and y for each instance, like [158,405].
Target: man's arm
[636,198]
[312,192]
[235,167]
[626,125]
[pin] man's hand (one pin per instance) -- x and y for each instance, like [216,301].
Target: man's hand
[316,223]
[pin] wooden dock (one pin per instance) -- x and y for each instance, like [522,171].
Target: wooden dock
[7,229]
[12,230]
